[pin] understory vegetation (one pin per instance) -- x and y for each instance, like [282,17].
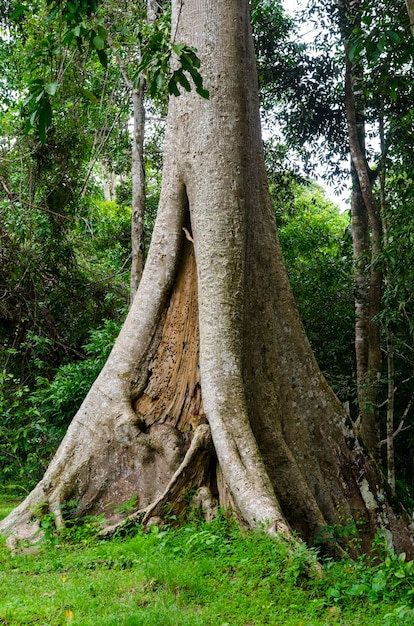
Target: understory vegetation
[200,574]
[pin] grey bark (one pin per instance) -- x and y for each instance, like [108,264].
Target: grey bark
[410,9]
[138,188]
[367,242]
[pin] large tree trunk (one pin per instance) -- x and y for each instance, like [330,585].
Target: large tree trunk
[212,383]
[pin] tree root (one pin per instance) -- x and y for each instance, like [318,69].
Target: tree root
[192,471]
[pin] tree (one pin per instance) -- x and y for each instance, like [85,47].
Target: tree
[136,88]
[374,102]
[410,10]
[52,294]
[212,385]
[367,241]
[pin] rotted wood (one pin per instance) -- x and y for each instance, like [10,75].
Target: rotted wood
[173,392]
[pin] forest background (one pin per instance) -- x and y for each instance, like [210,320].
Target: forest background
[68,193]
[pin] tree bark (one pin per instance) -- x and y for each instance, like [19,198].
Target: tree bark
[212,384]
[410,10]
[138,188]
[367,248]
[390,411]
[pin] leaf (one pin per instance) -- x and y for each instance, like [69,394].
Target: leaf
[103,57]
[51,88]
[177,48]
[182,79]
[21,8]
[89,95]
[98,42]
[172,87]
[93,6]
[393,36]
[45,120]
[32,118]
[204,93]
[53,13]
[102,32]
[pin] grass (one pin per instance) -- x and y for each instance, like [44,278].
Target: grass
[198,575]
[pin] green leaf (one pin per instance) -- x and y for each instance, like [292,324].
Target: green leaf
[89,95]
[181,78]
[93,6]
[21,8]
[393,36]
[32,118]
[98,42]
[53,13]
[102,32]
[172,87]
[103,57]
[354,49]
[51,88]
[177,48]
[45,120]
[204,93]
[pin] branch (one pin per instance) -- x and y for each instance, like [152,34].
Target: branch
[401,424]
[118,273]
[395,433]
[14,198]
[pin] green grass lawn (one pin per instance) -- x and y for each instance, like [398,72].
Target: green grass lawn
[201,574]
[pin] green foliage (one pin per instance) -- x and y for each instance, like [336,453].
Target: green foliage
[26,439]
[33,422]
[316,246]
[75,26]
[60,398]
[155,64]
[58,282]
[385,577]
[203,574]
[78,530]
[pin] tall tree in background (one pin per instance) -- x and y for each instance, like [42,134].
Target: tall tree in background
[352,102]
[378,80]
[212,384]
[128,58]
[367,240]
[410,10]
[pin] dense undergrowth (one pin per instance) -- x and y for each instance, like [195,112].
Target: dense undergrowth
[200,574]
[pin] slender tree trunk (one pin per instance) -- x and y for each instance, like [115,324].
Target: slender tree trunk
[212,384]
[138,167]
[138,174]
[368,300]
[390,411]
[360,242]
[389,335]
[138,188]
[410,10]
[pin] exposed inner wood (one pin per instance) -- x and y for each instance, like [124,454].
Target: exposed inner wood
[173,392]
